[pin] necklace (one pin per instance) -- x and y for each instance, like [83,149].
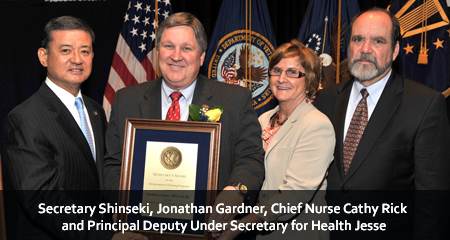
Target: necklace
[276,119]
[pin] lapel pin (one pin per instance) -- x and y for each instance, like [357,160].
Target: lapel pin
[95,113]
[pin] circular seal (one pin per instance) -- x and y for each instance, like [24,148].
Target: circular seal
[171,157]
[326,59]
[242,58]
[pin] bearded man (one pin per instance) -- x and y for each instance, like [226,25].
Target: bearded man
[392,136]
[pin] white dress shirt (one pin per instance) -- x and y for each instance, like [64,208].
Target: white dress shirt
[69,101]
[375,90]
[185,100]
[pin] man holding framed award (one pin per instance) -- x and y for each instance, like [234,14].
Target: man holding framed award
[181,46]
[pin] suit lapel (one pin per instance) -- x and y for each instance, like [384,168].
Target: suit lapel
[150,106]
[299,112]
[389,101]
[202,94]
[339,112]
[68,123]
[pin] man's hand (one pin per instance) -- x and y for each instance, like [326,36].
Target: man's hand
[229,197]
[129,236]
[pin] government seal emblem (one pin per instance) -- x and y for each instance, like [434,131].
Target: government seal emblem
[242,58]
[171,157]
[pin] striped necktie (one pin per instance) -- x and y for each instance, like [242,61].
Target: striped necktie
[84,124]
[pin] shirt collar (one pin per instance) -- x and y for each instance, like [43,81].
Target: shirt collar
[188,92]
[67,98]
[375,90]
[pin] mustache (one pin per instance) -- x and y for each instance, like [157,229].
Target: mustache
[365,57]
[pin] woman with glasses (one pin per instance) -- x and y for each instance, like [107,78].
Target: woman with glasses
[299,143]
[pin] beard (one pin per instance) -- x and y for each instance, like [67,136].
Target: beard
[366,72]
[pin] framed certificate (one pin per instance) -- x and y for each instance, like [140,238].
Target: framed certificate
[169,169]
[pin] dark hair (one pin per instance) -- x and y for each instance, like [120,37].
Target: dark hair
[64,23]
[308,59]
[184,19]
[395,34]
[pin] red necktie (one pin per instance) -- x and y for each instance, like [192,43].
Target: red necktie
[355,130]
[174,110]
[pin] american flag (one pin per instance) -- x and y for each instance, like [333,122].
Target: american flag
[135,57]
[228,69]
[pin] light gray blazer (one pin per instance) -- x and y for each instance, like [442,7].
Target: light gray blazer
[297,159]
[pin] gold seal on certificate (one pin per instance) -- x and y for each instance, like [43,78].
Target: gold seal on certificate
[171,157]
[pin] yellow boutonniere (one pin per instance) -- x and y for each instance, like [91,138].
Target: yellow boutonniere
[205,114]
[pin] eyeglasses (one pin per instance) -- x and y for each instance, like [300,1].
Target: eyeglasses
[292,73]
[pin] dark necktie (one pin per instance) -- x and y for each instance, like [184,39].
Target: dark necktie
[174,111]
[355,130]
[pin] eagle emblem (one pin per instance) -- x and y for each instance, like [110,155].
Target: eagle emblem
[243,73]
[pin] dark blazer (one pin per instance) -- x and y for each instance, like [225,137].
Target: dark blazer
[404,147]
[241,152]
[46,150]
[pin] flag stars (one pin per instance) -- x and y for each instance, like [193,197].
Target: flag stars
[448,32]
[166,14]
[408,49]
[142,47]
[153,36]
[147,8]
[167,2]
[154,24]
[138,6]
[144,34]
[146,21]
[134,32]
[126,17]
[438,43]
[136,19]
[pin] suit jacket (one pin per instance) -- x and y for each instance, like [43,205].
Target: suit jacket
[296,160]
[46,151]
[403,147]
[241,153]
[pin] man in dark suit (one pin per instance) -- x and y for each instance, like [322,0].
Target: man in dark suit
[181,42]
[54,141]
[401,145]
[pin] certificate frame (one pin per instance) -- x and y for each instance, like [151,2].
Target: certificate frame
[138,131]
